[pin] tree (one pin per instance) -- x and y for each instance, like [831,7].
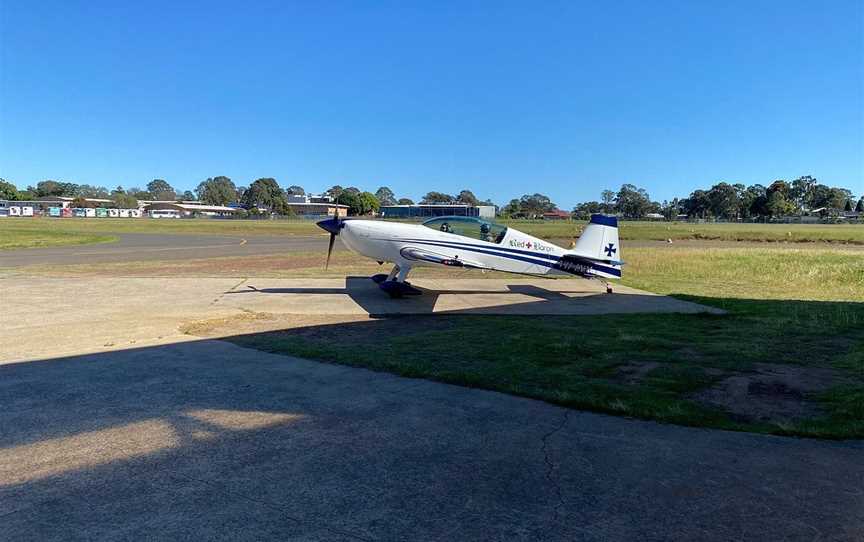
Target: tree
[88,191]
[670,209]
[295,190]
[161,190]
[369,204]
[265,192]
[608,198]
[385,196]
[335,191]
[8,190]
[860,207]
[744,200]
[633,202]
[217,191]
[723,200]
[778,204]
[353,190]
[780,186]
[123,200]
[512,209]
[467,197]
[801,191]
[361,203]
[697,205]
[583,211]
[137,193]
[432,198]
[405,201]
[351,200]
[534,205]
[48,188]
[837,198]
[188,196]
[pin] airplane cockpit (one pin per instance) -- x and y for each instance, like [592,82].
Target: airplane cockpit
[466,226]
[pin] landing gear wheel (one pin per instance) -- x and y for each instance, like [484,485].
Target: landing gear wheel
[398,289]
[608,289]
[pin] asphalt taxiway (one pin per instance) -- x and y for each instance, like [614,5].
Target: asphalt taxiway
[136,247]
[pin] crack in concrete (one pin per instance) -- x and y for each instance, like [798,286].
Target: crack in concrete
[550,466]
[229,290]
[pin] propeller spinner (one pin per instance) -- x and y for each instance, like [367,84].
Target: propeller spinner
[331,225]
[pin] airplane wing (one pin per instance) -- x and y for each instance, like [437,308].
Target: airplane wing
[422,254]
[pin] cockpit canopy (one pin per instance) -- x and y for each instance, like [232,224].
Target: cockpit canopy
[466,226]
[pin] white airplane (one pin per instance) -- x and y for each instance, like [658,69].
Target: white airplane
[474,243]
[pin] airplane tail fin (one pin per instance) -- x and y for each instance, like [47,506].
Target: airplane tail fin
[599,243]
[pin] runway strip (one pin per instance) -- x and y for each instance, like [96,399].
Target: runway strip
[133,247]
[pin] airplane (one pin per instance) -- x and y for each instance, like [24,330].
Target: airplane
[475,243]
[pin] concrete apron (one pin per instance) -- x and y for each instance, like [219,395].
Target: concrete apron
[47,317]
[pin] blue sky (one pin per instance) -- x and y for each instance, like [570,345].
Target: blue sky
[503,98]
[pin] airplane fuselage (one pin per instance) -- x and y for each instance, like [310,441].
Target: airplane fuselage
[411,245]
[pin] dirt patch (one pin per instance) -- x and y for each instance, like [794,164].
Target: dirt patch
[212,326]
[772,393]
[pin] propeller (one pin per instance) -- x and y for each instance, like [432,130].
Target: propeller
[332,226]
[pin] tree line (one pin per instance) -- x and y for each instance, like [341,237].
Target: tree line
[730,201]
[263,195]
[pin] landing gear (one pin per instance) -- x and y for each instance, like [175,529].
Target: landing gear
[395,284]
[398,289]
[608,287]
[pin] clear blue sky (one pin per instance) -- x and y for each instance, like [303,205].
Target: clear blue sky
[500,97]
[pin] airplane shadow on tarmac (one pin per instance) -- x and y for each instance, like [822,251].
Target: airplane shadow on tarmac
[514,298]
[206,440]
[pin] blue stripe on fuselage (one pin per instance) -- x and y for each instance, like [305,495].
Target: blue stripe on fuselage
[481,250]
[495,247]
[489,250]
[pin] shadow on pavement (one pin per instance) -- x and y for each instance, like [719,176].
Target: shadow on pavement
[585,298]
[209,440]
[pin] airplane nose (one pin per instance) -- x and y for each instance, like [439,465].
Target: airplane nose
[331,225]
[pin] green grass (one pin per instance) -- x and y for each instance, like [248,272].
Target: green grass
[802,273]
[168,226]
[677,231]
[634,231]
[13,238]
[787,307]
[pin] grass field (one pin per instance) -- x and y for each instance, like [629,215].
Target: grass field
[13,238]
[634,231]
[660,231]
